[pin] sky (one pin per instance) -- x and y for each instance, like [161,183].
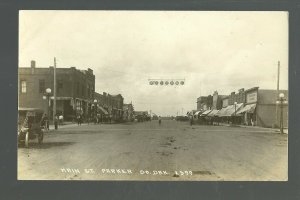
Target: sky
[212,50]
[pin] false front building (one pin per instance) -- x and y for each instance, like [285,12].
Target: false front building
[110,107]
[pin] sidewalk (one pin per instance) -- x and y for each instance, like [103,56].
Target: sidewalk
[71,124]
[65,125]
[257,127]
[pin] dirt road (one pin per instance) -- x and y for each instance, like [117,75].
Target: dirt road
[147,151]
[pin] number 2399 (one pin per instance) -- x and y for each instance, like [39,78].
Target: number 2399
[183,173]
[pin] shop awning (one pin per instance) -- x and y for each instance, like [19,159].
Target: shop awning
[247,109]
[234,109]
[229,110]
[213,113]
[103,110]
[197,113]
[221,112]
[63,98]
[205,113]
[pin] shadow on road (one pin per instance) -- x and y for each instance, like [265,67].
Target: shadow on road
[86,132]
[46,145]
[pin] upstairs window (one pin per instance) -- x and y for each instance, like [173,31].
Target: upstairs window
[59,86]
[42,87]
[23,87]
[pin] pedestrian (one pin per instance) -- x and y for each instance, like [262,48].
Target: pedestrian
[45,122]
[98,119]
[191,120]
[78,120]
[159,120]
[56,122]
[61,119]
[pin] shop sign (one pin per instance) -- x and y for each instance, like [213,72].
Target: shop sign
[252,97]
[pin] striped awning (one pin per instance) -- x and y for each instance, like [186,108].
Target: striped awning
[229,110]
[103,110]
[213,113]
[205,113]
[197,113]
[247,109]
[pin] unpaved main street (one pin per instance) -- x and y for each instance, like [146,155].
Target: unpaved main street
[147,151]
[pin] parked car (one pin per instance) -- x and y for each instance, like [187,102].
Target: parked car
[30,125]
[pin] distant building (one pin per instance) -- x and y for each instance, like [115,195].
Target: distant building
[141,115]
[128,112]
[225,101]
[75,89]
[204,102]
[217,101]
[112,104]
[237,97]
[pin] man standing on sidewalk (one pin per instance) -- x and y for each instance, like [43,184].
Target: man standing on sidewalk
[56,122]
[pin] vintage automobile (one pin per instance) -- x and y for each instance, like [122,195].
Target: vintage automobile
[30,125]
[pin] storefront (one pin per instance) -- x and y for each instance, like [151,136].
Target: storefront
[212,117]
[229,114]
[248,114]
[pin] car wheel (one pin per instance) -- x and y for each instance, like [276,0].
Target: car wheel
[27,139]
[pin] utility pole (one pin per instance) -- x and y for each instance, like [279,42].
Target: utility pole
[278,75]
[54,91]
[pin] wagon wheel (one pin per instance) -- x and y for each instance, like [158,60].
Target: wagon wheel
[27,139]
[41,137]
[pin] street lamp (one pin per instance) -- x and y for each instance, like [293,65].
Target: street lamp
[95,106]
[281,100]
[235,103]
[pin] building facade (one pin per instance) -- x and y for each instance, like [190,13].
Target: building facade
[261,109]
[238,97]
[128,112]
[217,101]
[112,104]
[204,102]
[253,107]
[74,89]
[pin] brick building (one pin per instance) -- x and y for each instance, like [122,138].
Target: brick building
[238,97]
[75,89]
[204,102]
[112,104]
[217,101]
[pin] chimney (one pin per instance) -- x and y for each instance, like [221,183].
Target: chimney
[241,90]
[90,71]
[32,64]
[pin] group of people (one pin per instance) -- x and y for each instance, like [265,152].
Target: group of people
[79,119]
[58,119]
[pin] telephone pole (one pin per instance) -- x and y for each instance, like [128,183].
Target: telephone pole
[278,75]
[54,91]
